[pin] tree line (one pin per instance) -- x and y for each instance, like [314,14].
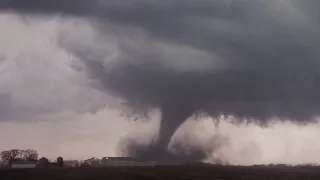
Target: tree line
[18,154]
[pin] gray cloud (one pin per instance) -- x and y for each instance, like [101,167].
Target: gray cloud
[39,78]
[250,59]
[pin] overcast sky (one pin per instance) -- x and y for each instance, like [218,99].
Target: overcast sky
[53,101]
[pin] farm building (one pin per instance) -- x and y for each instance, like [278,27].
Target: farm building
[71,163]
[23,164]
[93,162]
[43,160]
[126,161]
[43,163]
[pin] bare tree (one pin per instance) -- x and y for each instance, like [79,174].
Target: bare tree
[14,154]
[30,154]
[5,156]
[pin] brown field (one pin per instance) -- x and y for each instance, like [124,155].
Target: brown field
[191,172]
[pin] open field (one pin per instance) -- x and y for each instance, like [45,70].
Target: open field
[196,172]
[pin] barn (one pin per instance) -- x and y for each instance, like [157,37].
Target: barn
[71,163]
[126,161]
[93,162]
[23,164]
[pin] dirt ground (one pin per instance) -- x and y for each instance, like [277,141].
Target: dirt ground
[190,172]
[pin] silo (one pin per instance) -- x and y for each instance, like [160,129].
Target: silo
[60,161]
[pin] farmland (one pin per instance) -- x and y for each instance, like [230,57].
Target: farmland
[187,172]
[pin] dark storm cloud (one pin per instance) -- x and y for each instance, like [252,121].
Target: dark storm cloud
[269,49]
[8,110]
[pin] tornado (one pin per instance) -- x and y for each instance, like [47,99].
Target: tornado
[257,61]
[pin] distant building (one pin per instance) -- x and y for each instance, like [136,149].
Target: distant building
[126,161]
[43,160]
[71,163]
[60,161]
[23,164]
[4,164]
[43,163]
[93,162]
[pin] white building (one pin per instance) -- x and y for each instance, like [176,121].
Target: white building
[71,163]
[23,164]
[93,162]
[126,161]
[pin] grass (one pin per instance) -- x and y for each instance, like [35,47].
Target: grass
[188,172]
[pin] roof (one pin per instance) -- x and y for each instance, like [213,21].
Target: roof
[93,159]
[125,159]
[71,161]
[23,162]
[119,158]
